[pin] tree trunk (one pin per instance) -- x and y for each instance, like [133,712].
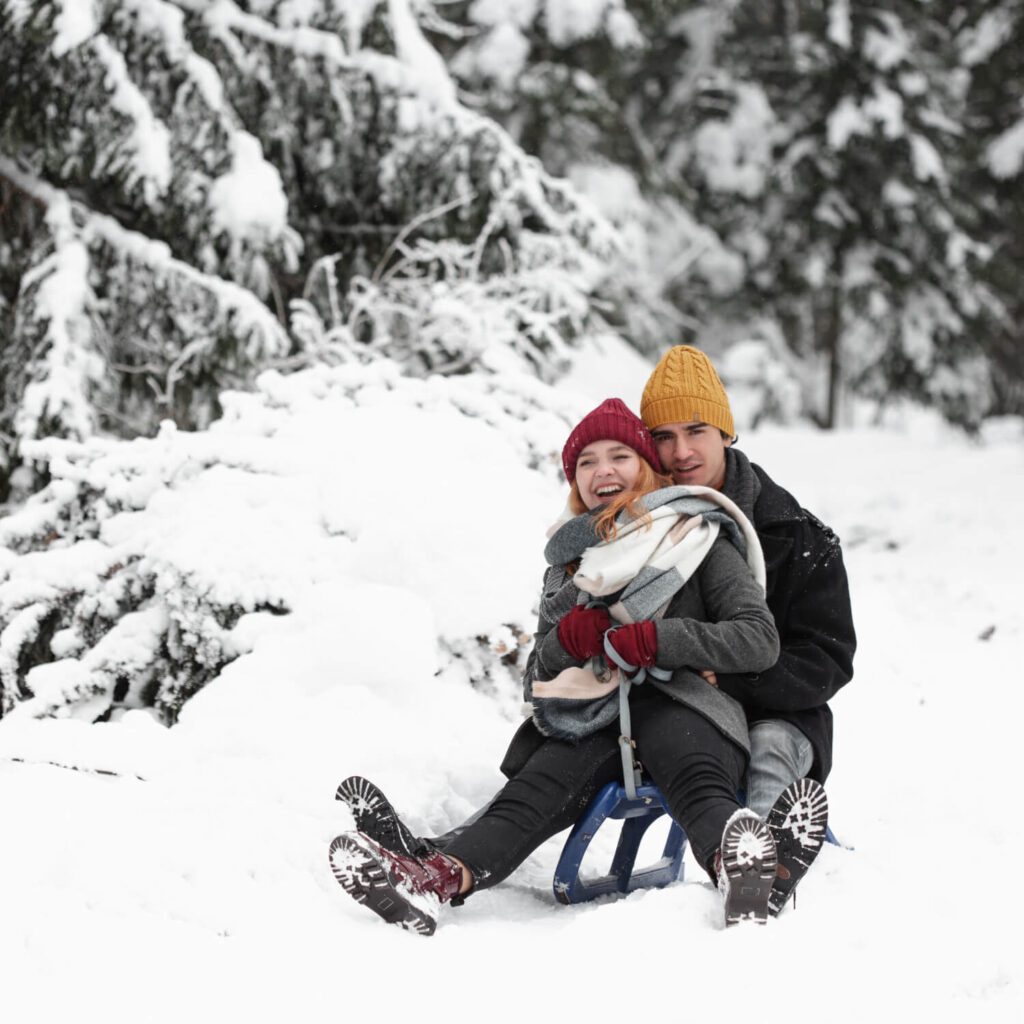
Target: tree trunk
[833,348]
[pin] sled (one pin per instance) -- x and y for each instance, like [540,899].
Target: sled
[623,877]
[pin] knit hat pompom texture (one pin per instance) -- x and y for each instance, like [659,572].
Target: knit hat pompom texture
[610,421]
[685,387]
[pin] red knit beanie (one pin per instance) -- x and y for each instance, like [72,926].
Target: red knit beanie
[610,421]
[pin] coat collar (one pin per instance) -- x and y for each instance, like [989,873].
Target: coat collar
[763,501]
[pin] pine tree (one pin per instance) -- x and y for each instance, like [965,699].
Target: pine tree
[990,45]
[858,246]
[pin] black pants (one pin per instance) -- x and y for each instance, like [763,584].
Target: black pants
[695,766]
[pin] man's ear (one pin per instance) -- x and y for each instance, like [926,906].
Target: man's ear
[727,439]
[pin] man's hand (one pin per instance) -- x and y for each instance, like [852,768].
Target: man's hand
[636,643]
[710,676]
[581,632]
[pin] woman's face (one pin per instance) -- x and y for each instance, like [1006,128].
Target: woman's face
[604,469]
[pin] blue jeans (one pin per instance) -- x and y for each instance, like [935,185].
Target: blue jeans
[779,754]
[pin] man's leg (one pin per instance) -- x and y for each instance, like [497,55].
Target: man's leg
[779,754]
[697,769]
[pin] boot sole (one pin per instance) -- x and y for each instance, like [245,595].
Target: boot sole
[749,861]
[375,817]
[367,881]
[798,823]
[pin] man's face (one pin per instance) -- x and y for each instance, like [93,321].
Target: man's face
[694,453]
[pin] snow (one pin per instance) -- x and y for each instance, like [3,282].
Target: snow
[884,107]
[249,201]
[993,30]
[500,53]
[734,155]
[493,12]
[184,871]
[434,83]
[151,139]
[75,22]
[63,297]
[839,29]
[927,162]
[886,48]
[569,21]
[1005,154]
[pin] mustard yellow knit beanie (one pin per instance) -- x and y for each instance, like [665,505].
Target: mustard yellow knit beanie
[685,387]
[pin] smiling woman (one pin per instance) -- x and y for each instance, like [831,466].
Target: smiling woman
[609,461]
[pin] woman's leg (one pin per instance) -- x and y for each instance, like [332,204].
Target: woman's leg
[548,794]
[696,767]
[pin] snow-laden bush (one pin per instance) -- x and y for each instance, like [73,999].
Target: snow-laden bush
[146,566]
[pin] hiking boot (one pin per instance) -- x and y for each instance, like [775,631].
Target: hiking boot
[376,818]
[798,823]
[745,866]
[407,891]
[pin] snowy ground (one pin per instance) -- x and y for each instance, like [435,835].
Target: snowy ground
[195,880]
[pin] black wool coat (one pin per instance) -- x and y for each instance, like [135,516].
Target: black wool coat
[809,596]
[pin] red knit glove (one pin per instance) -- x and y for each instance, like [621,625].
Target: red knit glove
[581,632]
[636,643]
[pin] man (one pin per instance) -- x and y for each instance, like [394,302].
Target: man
[685,407]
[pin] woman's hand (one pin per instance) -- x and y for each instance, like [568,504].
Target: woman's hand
[581,632]
[710,676]
[636,643]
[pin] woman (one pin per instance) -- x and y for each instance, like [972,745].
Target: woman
[663,566]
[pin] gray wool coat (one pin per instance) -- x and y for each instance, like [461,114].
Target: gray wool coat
[718,620]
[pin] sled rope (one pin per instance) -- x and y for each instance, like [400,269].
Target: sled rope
[631,768]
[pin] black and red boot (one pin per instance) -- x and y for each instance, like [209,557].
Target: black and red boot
[403,890]
[745,866]
[799,824]
[375,817]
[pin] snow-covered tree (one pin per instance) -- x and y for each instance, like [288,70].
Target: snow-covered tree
[594,90]
[990,46]
[797,170]
[834,169]
[178,174]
